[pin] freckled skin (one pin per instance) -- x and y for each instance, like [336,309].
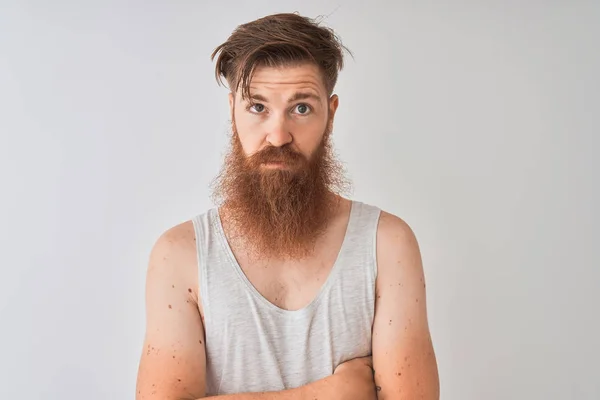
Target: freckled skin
[408,366]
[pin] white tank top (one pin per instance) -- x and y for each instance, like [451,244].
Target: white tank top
[253,345]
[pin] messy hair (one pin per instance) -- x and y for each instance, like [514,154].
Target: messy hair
[274,41]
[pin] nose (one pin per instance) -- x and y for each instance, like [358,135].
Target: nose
[278,133]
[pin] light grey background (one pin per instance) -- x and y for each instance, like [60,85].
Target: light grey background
[477,122]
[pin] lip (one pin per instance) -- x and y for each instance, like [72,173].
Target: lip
[274,164]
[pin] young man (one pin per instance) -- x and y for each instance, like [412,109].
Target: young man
[286,290]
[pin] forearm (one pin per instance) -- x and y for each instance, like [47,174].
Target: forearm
[336,386]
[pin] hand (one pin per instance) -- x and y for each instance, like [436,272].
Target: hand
[359,373]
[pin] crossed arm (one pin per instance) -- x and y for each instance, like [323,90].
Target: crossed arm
[173,362]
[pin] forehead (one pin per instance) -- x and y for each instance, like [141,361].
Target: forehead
[283,80]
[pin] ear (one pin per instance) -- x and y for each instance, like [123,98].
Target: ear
[334,102]
[231,104]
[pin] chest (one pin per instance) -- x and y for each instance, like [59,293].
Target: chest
[289,285]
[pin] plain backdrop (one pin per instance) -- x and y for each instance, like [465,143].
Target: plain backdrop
[475,121]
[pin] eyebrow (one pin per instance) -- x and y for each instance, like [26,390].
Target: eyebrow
[295,97]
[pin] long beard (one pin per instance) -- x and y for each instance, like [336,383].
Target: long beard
[278,213]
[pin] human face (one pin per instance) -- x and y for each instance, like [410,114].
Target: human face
[279,176]
[288,106]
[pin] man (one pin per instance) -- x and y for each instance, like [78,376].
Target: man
[286,290]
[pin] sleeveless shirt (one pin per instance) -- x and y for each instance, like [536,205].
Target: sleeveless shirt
[252,345]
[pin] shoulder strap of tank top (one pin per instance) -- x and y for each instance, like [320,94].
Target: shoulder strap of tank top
[202,230]
[364,230]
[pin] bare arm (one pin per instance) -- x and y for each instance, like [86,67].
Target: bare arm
[352,380]
[173,361]
[403,356]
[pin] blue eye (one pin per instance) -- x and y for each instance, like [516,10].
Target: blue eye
[258,108]
[303,109]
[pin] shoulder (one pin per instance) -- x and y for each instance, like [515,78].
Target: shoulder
[173,256]
[176,242]
[393,233]
[398,253]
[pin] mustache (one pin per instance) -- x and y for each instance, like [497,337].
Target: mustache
[270,154]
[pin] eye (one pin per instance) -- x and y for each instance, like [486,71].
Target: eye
[303,109]
[257,108]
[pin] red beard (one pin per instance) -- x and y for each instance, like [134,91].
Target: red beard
[279,213]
